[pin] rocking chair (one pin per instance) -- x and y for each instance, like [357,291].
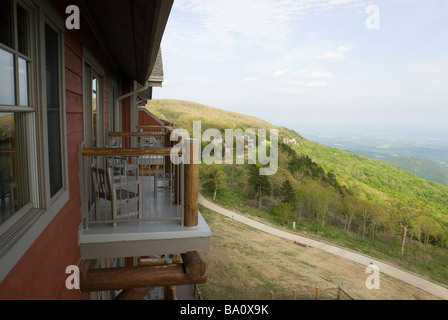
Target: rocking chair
[106,188]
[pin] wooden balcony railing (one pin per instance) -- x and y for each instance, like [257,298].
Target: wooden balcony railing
[136,184]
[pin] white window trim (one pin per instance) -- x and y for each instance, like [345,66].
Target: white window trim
[89,59]
[20,232]
[50,201]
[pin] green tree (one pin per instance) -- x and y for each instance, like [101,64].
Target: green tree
[260,183]
[424,228]
[378,216]
[287,193]
[349,211]
[213,178]
[283,210]
[319,201]
[365,210]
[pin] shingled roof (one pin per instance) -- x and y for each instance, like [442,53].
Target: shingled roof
[157,71]
[155,80]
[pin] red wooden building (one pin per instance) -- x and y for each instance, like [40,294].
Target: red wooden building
[62,92]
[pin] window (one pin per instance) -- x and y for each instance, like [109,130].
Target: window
[112,112]
[94,102]
[95,112]
[16,108]
[33,161]
[53,109]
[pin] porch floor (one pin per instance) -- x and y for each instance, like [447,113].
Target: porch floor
[158,205]
[131,239]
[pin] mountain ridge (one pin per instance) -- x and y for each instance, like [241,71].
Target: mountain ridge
[368,178]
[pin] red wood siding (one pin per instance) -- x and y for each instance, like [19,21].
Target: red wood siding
[40,273]
[144,119]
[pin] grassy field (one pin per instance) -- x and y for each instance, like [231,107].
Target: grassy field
[246,264]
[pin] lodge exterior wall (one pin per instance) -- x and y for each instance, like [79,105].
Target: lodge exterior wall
[40,273]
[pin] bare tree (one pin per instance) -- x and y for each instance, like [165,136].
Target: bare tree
[405,215]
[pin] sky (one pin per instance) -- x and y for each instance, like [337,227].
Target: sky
[323,62]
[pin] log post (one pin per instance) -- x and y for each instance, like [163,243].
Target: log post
[294,294]
[191,183]
[317,294]
[133,294]
[171,293]
[339,292]
[84,266]
[177,183]
[194,266]
[167,160]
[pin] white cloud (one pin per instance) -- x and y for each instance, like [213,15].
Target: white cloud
[280,73]
[250,79]
[320,75]
[293,90]
[218,30]
[337,54]
[221,29]
[314,75]
[338,2]
[316,84]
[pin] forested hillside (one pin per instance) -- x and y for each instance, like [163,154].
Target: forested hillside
[321,186]
[421,167]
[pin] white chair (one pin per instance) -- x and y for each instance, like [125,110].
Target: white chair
[118,194]
[164,177]
[120,165]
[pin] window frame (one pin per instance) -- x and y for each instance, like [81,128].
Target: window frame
[90,68]
[28,111]
[48,200]
[19,232]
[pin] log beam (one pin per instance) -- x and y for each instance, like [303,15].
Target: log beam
[137,277]
[152,127]
[136,134]
[151,261]
[194,266]
[84,266]
[125,151]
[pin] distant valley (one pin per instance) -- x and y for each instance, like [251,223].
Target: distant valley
[422,152]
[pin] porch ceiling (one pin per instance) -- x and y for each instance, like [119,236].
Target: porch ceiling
[132,31]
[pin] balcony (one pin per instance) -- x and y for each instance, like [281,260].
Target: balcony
[135,202]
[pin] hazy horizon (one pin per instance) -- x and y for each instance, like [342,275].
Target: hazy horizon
[311,62]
